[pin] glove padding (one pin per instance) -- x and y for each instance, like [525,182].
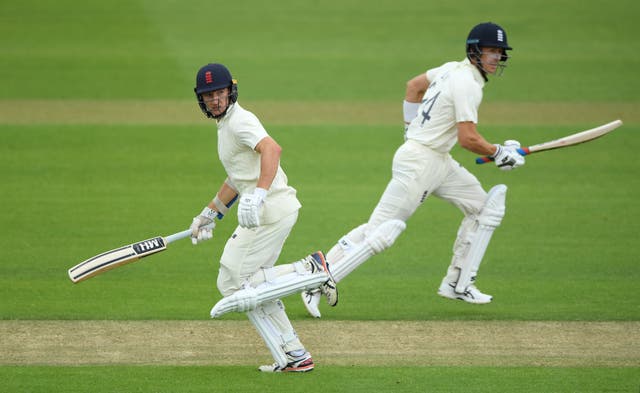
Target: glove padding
[507,157]
[203,225]
[249,208]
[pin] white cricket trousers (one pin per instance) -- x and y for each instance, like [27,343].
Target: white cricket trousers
[249,250]
[419,172]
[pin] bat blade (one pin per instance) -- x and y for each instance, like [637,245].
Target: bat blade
[576,139]
[569,140]
[115,258]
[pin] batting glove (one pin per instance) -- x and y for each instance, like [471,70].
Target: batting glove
[202,225]
[511,143]
[249,208]
[507,157]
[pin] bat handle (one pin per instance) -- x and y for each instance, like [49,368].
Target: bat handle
[183,234]
[523,151]
[483,160]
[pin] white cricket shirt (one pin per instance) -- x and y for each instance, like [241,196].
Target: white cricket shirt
[239,131]
[454,95]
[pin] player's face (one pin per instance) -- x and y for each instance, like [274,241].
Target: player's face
[490,59]
[216,101]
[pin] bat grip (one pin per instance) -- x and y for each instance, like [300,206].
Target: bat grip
[523,151]
[183,234]
[483,160]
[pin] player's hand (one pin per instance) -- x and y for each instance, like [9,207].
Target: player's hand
[511,143]
[249,208]
[507,157]
[202,225]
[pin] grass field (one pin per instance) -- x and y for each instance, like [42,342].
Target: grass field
[102,144]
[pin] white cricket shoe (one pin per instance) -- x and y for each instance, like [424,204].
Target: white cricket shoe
[311,300]
[471,295]
[329,288]
[300,364]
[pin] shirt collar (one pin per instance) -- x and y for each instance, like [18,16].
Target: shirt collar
[230,110]
[475,71]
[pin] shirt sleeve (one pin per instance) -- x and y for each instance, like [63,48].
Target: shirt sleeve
[466,95]
[250,131]
[432,74]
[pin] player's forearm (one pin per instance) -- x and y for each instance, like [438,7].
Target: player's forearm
[224,196]
[416,87]
[224,199]
[268,169]
[470,139]
[270,153]
[479,146]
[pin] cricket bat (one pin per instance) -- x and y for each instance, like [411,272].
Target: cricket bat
[569,140]
[123,255]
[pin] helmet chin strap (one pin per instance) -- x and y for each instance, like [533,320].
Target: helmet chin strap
[478,63]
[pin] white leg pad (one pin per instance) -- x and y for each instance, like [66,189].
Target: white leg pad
[345,244]
[249,297]
[272,336]
[461,247]
[355,254]
[488,220]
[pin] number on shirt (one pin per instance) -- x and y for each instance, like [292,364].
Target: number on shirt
[428,105]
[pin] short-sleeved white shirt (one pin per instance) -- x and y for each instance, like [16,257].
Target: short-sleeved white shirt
[239,131]
[454,95]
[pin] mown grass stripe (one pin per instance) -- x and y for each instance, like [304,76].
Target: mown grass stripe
[168,112]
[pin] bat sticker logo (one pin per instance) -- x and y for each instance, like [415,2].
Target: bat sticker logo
[149,245]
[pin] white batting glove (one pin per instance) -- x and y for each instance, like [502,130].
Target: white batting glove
[249,208]
[507,157]
[511,143]
[202,225]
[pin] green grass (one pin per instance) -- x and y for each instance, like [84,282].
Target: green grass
[303,50]
[567,249]
[350,379]
[568,238]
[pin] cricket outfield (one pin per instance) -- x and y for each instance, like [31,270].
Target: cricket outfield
[558,322]
[102,144]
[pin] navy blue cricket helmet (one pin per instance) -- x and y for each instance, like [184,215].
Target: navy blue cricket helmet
[488,35]
[214,76]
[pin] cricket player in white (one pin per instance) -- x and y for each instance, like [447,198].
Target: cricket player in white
[267,211]
[440,109]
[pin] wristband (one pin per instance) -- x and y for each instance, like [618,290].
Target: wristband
[498,149]
[409,110]
[222,208]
